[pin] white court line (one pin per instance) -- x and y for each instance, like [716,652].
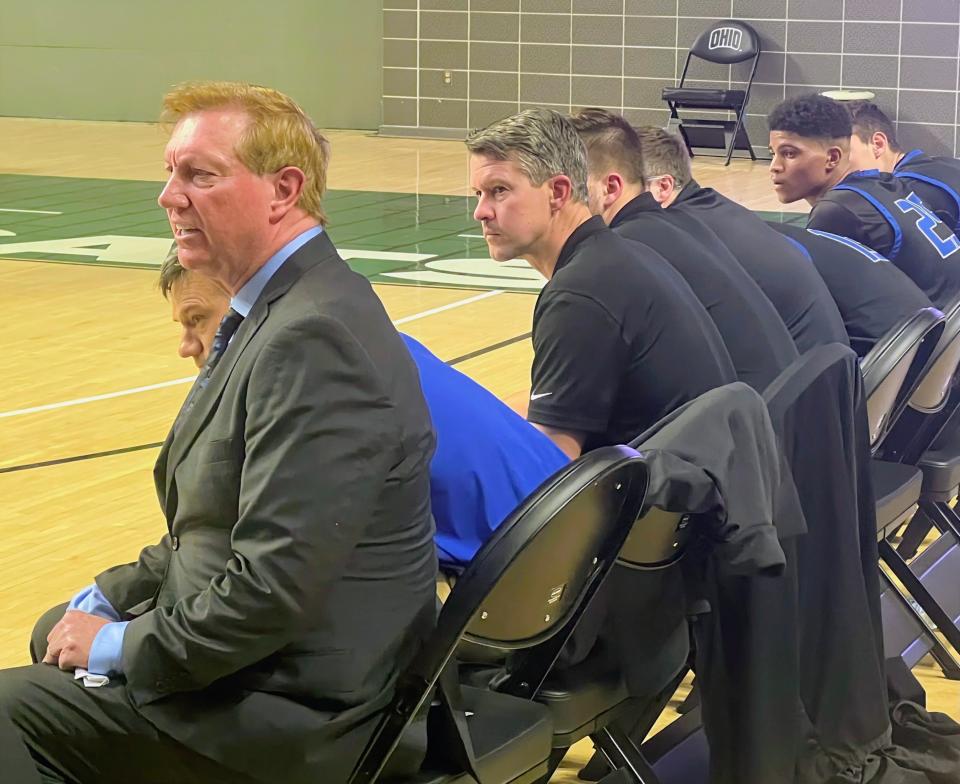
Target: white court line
[32,212]
[448,306]
[189,379]
[93,398]
[471,236]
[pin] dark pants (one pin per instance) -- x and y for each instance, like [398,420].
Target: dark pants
[88,736]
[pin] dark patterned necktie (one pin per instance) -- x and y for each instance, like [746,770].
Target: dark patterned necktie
[228,326]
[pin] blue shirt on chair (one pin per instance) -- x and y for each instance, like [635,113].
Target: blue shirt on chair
[488,458]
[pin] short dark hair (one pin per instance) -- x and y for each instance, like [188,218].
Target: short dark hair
[170,272]
[812,116]
[611,142]
[868,119]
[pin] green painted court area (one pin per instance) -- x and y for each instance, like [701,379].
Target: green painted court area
[397,238]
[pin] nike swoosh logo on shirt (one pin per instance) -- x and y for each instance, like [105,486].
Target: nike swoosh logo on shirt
[540,395]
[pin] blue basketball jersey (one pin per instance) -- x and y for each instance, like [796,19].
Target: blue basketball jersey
[884,213]
[936,180]
[488,458]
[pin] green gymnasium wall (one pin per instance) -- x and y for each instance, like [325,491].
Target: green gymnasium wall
[114,59]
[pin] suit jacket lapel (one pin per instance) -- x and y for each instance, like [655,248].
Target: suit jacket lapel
[182,436]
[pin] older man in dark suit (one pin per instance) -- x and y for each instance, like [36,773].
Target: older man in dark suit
[296,576]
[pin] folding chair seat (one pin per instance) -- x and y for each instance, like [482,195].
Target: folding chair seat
[524,591]
[941,471]
[503,730]
[723,43]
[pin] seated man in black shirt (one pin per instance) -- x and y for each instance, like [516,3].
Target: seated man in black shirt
[778,268]
[810,141]
[619,338]
[755,336]
[871,293]
[874,145]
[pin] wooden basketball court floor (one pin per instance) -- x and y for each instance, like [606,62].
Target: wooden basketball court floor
[91,379]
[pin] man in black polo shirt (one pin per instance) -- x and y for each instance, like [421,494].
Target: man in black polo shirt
[619,339]
[874,145]
[810,141]
[871,293]
[755,336]
[779,269]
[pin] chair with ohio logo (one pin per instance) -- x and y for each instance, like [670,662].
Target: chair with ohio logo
[723,43]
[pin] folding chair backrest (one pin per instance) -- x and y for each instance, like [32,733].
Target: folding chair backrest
[657,540]
[892,367]
[726,41]
[937,378]
[529,583]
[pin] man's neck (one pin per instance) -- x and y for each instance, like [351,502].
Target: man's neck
[284,233]
[629,194]
[838,174]
[544,257]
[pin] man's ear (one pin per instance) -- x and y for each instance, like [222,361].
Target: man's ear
[663,189]
[561,190]
[834,156]
[287,187]
[613,186]
[879,144]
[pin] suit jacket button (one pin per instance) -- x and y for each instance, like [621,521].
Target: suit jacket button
[175,542]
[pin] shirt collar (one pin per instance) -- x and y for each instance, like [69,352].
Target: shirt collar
[643,202]
[908,157]
[587,228]
[690,191]
[243,301]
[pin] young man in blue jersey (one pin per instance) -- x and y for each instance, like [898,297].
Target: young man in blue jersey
[488,458]
[810,143]
[874,145]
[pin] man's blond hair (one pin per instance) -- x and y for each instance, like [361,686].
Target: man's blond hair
[279,133]
[664,153]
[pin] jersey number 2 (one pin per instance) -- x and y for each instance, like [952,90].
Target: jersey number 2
[928,223]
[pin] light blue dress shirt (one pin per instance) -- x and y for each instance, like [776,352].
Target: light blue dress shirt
[106,652]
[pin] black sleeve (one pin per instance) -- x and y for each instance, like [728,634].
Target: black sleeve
[579,360]
[868,228]
[836,219]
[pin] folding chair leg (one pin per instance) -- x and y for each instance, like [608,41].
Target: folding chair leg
[731,145]
[624,755]
[942,516]
[556,757]
[914,534]
[945,660]
[921,595]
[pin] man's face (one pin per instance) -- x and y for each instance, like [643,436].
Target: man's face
[861,154]
[218,209]
[514,212]
[596,193]
[800,167]
[199,304]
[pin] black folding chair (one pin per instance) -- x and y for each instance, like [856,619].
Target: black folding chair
[893,372]
[724,42]
[586,700]
[893,369]
[926,436]
[524,591]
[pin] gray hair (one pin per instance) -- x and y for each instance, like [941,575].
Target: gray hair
[544,143]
